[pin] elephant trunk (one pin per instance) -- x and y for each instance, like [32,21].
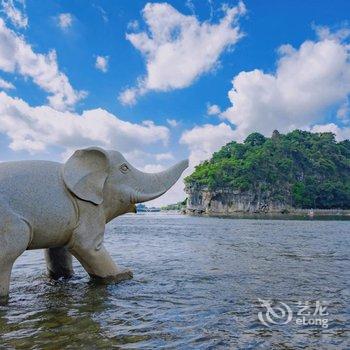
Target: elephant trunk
[151,186]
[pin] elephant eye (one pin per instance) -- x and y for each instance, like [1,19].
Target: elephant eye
[124,168]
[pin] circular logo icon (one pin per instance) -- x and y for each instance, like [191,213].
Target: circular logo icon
[278,314]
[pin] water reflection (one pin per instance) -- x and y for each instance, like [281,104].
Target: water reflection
[54,314]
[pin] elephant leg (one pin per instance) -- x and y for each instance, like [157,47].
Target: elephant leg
[14,237]
[86,245]
[99,264]
[59,263]
[5,276]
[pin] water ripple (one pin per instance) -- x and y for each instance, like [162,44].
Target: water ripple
[197,284]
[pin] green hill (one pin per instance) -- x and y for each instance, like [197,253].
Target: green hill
[301,169]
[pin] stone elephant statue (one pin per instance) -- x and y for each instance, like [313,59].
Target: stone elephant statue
[63,208]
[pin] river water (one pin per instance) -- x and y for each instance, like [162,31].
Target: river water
[197,284]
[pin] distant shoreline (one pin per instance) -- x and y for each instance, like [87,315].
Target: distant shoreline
[304,214]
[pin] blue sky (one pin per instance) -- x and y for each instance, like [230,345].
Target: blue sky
[162,81]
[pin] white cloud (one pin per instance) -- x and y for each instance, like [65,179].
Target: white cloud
[16,56]
[6,84]
[164,156]
[17,16]
[153,168]
[213,109]
[65,20]
[178,48]
[202,141]
[173,122]
[35,129]
[128,96]
[102,63]
[133,25]
[307,82]
[324,32]
[340,133]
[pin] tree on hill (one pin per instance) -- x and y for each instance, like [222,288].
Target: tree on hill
[301,169]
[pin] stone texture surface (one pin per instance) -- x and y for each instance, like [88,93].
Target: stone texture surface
[222,201]
[64,208]
[228,201]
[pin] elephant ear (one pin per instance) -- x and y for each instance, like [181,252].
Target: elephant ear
[85,174]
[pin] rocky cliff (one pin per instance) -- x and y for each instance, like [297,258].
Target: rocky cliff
[227,201]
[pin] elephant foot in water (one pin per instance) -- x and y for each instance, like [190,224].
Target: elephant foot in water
[123,275]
